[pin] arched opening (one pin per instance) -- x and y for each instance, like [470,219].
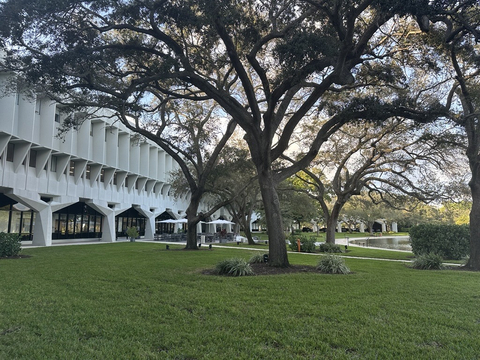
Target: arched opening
[77,221]
[165,228]
[16,218]
[129,218]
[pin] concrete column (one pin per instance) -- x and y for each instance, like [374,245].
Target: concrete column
[394,227]
[384,226]
[339,227]
[150,227]
[42,232]
[108,226]
[108,221]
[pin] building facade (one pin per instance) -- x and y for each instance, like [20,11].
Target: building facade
[95,182]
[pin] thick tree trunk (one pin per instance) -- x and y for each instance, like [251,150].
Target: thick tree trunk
[330,232]
[276,238]
[332,221]
[248,235]
[370,227]
[192,222]
[191,236]
[474,261]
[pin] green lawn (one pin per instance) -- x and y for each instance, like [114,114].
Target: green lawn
[353,251]
[140,301]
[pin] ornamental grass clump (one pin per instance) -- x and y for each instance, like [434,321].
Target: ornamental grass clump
[332,264]
[429,261]
[234,267]
[257,259]
[9,244]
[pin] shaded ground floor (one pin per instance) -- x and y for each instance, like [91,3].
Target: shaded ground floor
[40,222]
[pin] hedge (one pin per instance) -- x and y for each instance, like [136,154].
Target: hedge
[307,244]
[449,241]
[9,244]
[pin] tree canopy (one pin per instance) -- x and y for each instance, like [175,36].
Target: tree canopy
[389,161]
[267,64]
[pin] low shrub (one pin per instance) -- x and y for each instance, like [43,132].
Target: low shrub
[9,244]
[429,261]
[330,248]
[132,232]
[256,259]
[293,242]
[234,267]
[332,264]
[448,241]
[307,244]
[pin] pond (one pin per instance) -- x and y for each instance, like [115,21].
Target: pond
[396,242]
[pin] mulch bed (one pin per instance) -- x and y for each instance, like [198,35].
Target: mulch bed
[265,269]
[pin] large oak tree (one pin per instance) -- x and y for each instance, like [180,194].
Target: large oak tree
[266,63]
[451,47]
[394,160]
[194,136]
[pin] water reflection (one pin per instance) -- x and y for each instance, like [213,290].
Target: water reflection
[397,242]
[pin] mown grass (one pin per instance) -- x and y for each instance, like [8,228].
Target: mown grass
[352,251]
[140,301]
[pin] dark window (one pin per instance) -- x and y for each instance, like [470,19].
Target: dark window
[72,168]
[10,151]
[102,175]
[38,107]
[76,221]
[115,179]
[57,117]
[130,218]
[33,159]
[87,172]
[53,164]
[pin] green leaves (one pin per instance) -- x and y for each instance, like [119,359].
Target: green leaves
[430,261]
[234,267]
[448,241]
[9,244]
[332,264]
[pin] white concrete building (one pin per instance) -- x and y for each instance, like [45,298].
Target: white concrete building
[94,183]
